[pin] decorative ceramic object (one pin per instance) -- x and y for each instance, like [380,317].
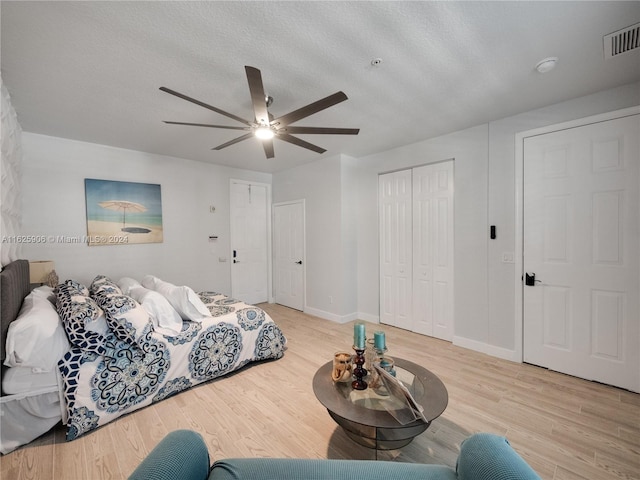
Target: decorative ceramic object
[342,367]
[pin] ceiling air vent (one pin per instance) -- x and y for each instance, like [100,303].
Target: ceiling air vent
[622,41]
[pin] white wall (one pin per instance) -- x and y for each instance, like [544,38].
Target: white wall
[10,173]
[349,241]
[501,201]
[320,184]
[341,217]
[468,148]
[54,170]
[484,195]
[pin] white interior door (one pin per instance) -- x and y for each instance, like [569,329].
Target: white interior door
[433,250]
[395,249]
[580,238]
[288,253]
[249,241]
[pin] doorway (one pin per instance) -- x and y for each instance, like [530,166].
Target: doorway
[580,267]
[289,254]
[249,240]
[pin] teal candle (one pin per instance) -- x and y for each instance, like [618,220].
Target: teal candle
[359,336]
[379,341]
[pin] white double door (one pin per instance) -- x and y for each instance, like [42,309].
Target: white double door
[581,240]
[416,249]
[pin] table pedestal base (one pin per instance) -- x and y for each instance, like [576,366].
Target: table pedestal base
[380,438]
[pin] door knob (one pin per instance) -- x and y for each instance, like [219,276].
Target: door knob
[299,262]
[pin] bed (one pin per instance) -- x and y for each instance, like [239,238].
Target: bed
[114,348]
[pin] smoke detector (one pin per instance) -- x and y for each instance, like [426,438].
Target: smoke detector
[622,41]
[547,64]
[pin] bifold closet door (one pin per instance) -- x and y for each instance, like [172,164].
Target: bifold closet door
[416,249]
[395,199]
[433,250]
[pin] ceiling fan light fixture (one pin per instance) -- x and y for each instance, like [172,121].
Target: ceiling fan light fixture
[264,133]
[264,126]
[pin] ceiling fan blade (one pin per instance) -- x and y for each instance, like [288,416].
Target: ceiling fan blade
[268,148]
[258,98]
[202,104]
[207,125]
[311,108]
[234,141]
[322,130]
[301,143]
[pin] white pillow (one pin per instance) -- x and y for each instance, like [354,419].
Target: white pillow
[45,292]
[126,284]
[183,299]
[164,317]
[36,338]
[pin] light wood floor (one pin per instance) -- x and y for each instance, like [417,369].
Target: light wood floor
[566,428]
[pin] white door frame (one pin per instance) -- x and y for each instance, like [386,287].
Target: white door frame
[519,207]
[267,233]
[304,248]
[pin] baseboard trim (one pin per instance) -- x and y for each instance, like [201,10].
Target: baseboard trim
[342,318]
[367,317]
[482,347]
[331,316]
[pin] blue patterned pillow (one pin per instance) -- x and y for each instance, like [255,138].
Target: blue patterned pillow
[80,317]
[126,317]
[104,285]
[78,287]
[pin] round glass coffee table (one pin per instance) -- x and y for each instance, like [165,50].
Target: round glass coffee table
[379,421]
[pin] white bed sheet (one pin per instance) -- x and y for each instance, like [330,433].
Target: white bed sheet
[23,380]
[26,416]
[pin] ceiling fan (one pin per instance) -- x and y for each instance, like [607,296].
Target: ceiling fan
[265,126]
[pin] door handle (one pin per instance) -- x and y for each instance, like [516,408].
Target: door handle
[530,280]
[299,262]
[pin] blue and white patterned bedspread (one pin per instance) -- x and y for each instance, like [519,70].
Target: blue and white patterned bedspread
[99,388]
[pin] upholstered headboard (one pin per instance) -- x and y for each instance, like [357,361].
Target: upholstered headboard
[14,286]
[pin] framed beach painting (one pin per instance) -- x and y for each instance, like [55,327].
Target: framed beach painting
[122,213]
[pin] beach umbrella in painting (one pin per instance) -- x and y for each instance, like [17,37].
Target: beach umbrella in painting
[124,206]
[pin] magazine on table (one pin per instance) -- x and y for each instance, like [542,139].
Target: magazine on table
[413,410]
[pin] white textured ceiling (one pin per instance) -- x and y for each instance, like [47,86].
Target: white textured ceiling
[91,70]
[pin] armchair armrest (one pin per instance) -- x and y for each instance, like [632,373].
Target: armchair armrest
[485,456]
[181,454]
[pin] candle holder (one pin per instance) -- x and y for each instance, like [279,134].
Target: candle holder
[359,372]
[375,355]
